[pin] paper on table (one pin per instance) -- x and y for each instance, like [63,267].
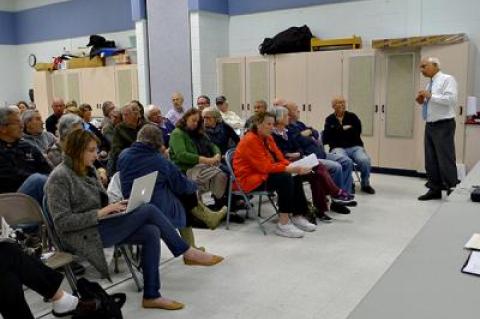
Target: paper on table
[473,242]
[309,161]
[472,265]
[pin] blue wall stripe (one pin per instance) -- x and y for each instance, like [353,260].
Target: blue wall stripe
[236,7]
[217,6]
[7,27]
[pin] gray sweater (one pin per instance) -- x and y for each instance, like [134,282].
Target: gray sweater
[73,202]
[42,141]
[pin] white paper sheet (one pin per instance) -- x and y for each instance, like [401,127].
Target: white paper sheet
[473,264]
[473,242]
[309,161]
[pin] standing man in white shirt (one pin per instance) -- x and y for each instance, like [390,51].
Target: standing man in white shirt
[176,113]
[438,102]
[229,117]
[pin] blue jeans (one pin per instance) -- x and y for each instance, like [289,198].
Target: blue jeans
[33,186]
[145,226]
[347,167]
[361,158]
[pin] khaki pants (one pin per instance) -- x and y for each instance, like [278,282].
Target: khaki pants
[209,179]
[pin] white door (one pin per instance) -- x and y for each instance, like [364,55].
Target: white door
[231,83]
[257,81]
[126,84]
[291,79]
[324,82]
[399,136]
[97,87]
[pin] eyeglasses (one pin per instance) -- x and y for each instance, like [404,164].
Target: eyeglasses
[19,123]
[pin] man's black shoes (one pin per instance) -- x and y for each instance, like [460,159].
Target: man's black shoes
[431,195]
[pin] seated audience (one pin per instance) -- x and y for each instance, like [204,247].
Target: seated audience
[342,132]
[260,165]
[66,124]
[58,107]
[22,166]
[154,115]
[141,120]
[18,270]
[34,133]
[192,151]
[174,193]
[260,106]
[22,106]
[107,130]
[229,117]
[279,102]
[86,115]
[124,134]
[79,207]
[320,181]
[220,133]
[340,167]
[177,111]
[203,102]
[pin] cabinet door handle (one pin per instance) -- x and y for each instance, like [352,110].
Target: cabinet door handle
[383,108]
[461,110]
[248,106]
[303,107]
[376,108]
[243,107]
[309,107]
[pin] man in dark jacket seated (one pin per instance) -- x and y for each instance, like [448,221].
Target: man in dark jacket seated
[220,133]
[342,132]
[22,166]
[340,167]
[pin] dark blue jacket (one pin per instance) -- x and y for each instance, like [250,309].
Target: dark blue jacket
[141,159]
[308,145]
[167,129]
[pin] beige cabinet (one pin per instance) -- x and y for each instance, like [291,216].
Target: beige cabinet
[88,85]
[243,81]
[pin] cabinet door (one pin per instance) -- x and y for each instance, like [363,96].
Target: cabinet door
[257,81]
[291,79]
[126,84]
[456,60]
[97,87]
[231,83]
[66,85]
[324,82]
[42,83]
[398,141]
[361,92]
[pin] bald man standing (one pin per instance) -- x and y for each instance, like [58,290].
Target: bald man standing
[58,107]
[438,102]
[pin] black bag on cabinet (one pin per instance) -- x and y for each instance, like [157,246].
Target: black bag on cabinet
[294,39]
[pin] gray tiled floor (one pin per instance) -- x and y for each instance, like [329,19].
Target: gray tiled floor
[323,275]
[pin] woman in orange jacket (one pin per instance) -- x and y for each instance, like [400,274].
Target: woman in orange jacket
[260,165]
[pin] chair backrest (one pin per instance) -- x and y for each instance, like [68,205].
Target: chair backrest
[229,161]
[48,219]
[18,208]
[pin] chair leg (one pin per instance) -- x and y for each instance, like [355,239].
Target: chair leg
[130,267]
[115,260]
[260,206]
[229,204]
[72,281]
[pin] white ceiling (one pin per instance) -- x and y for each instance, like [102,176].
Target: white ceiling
[19,5]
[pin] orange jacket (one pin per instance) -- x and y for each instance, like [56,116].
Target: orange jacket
[253,162]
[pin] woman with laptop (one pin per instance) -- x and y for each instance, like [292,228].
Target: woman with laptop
[79,205]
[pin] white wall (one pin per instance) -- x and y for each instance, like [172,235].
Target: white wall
[370,19]
[10,91]
[209,38]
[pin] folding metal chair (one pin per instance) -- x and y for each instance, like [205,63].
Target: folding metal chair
[18,208]
[355,171]
[239,191]
[57,243]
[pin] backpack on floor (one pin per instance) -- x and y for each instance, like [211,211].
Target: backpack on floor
[108,306]
[294,39]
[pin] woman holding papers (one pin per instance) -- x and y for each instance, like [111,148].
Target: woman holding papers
[78,204]
[320,181]
[260,165]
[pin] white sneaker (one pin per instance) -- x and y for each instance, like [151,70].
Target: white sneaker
[302,223]
[288,230]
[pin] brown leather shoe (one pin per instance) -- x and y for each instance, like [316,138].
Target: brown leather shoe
[213,261]
[152,304]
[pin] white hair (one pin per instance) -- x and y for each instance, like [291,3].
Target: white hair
[435,61]
[151,108]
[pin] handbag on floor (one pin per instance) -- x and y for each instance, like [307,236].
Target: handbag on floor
[108,306]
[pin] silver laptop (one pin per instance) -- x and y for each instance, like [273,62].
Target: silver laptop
[142,190]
